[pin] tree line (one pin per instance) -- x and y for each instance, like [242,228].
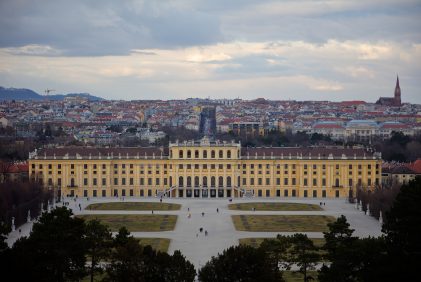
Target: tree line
[17,198]
[62,247]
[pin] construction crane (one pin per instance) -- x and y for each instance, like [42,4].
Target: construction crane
[47,91]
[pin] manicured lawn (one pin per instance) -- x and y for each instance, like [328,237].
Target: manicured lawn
[134,206]
[255,242]
[282,223]
[159,244]
[135,222]
[291,276]
[275,207]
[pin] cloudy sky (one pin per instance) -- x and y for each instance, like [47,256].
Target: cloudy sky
[294,49]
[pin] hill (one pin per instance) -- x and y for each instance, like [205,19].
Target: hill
[8,94]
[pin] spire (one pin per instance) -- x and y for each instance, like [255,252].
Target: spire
[397,101]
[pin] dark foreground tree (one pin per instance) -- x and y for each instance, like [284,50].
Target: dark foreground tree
[351,258]
[304,254]
[132,262]
[277,251]
[339,247]
[98,241]
[55,250]
[403,231]
[240,263]
[4,230]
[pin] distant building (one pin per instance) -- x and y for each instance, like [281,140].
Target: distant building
[361,130]
[13,172]
[400,173]
[332,129]
[395,101]
[247,128]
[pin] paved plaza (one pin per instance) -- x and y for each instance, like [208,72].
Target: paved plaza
[199,248]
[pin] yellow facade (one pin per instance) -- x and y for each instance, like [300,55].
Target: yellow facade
[206,169]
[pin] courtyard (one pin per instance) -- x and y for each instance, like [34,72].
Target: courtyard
[175,224]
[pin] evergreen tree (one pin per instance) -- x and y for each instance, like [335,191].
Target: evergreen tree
[277,251]
[54,251]
[340,252]
[240,263]
[98,242]
[304,254]
[403,228]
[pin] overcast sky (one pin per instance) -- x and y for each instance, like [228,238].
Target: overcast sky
[303,50]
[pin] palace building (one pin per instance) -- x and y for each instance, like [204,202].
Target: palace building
[202,169]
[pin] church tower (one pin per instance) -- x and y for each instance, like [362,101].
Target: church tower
[397,93]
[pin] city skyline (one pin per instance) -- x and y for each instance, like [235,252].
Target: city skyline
[299,50]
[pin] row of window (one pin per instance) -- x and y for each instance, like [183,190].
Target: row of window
[103,166]
[196,154]
[149,193]
[196,181]
[204,166]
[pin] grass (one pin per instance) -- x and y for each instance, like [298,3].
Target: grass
[135,222]
[291,276]
[275,207]
[255,242]
[158,244]
[134,206]
[282,223]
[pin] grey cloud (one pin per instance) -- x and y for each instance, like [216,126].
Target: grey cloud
[107,27]
[371,22]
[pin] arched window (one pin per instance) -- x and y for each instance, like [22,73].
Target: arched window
[205,154]
[196,181]
[72,182]
[228,181]
[337,182]
[221,181]
[188,181]
[170,181]
[221,154]
[180,154]
[188,154]
[196,154]
[229,154]
[213,181]
[180,181]
[205,181]
[212,154]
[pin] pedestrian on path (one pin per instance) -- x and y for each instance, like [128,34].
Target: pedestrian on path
[206,233]
[203,214]
[152,211]
[217,210]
